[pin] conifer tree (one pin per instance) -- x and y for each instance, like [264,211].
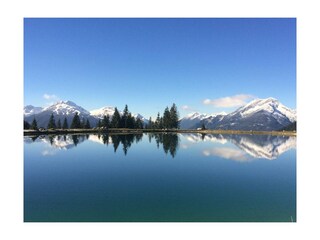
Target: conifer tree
[26,125]
[52,123]
[106,121]
[65,123]
[166,118]
[150,123]
[34,124]
[124,117]
[174,117]
[130,122]
[75,122]
[161,123]
[157,122]
[59,124]
[115,121]
[139,124]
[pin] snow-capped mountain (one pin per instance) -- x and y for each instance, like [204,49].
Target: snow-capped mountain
[60,110]
[31,110]
[269,105]
[67,109]
[138,115]
[193,119]
[101,112]
[260,114]
[104,111]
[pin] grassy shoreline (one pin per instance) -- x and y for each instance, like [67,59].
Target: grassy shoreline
[132,131]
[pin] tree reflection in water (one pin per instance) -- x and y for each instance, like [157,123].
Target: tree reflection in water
[169,141]
[256,146]
[125,140]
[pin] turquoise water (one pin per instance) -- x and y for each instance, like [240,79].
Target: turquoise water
[160,177]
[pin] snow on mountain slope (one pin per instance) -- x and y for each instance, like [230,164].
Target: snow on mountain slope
[270,105]
[260,114]
[61,110]
[195,118]
[31,110]
[196,115]
[104,111]
[101,112]
[66,108]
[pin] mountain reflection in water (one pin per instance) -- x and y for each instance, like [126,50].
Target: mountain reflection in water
[234,147]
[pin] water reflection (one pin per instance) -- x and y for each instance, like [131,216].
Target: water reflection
[227,153]
[58,141]
[234,147]
[256,146]
[169,141]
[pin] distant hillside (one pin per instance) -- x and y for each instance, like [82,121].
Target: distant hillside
[258,115]
[291,127]
[67,109]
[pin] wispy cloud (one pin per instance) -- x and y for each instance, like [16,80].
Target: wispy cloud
[187,108]
[50,99]
[50,96]
[232,101]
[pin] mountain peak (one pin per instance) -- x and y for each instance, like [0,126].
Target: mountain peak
[68,102]
[194,115]
[101,112]
[267,104]
[259,114]
[31,110]
[66,108]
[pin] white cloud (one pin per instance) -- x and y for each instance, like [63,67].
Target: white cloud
[233,101]
[227,153]
[185,107]
[50,97]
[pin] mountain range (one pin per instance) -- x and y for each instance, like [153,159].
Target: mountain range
[258,115]
[246,146]
[67,109]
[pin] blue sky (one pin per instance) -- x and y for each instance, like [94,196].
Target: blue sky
[205,65]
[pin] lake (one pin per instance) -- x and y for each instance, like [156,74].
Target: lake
[159,178]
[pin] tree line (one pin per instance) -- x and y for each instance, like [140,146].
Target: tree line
[169,120]
[127,120]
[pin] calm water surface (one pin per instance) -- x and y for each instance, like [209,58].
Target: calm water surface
[160,177]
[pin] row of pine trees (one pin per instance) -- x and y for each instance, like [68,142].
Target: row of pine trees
[118,121]
[169,120]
